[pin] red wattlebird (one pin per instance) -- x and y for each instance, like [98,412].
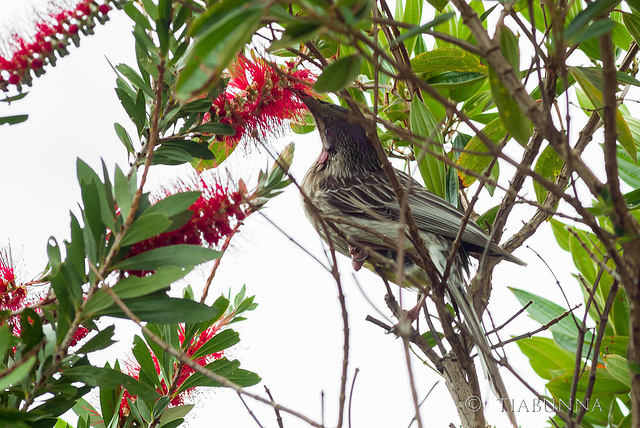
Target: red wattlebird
[347,183]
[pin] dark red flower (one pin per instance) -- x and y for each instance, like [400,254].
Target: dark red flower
[132,368]
[214,212]
[29,54]
[80,334]
[259,98]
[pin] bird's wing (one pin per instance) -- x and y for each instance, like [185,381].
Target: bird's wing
[372,197]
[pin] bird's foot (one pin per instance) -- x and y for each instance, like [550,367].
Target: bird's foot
[414,313]
[358,256]
[403,327]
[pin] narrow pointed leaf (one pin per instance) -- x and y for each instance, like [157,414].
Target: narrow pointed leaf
[424,124]
[513,118]
[339,74]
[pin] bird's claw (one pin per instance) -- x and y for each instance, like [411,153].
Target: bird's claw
[358,256]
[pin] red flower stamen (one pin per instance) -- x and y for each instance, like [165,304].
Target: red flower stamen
[53,34]
[213,214]
[259,99]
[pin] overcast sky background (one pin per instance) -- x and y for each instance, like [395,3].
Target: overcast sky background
[294,339]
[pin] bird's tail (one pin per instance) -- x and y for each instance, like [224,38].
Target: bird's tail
[472,323]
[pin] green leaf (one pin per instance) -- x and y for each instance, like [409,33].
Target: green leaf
[147,367]
[193,149]
[160,308]
[561,233]
[12,120]
[295,33]
[200,105]
[546,358]
[339,74]
[174,255]
[128,104]
[628,169]
[513,118]
[108,378]
[451,187]
[13,98]
[84,409]
[134,286]
[593,31]
[604,394]
[175,204]
[543,310]
[618,368]
[615,345]
[632,22]
[472,158]
[485,221]
[136,80]
[222,340]
[220,39]
[217,128]
[145,227]
[160,406]
[422,28]
[175,413]
[581,257]
[582,19]
[442,60]
[136,15]
[549,165]
[455,79]
[17,373]
[140,112]
[100,341]
[122,191]
[590,80]
[124,137]
[225,368]
[424,124]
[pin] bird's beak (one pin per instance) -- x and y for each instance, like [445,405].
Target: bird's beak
[313,104]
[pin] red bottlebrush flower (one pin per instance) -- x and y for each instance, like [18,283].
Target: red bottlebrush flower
[36,63]
[259,99]
[53,33]
[132,368]
[12,295]
[83,9]
[80,334]
[214,212]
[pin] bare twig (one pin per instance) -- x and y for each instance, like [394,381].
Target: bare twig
[278,416]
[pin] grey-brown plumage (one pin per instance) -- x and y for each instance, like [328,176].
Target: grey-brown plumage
[347,182]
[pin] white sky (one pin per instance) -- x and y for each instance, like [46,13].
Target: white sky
[294,339]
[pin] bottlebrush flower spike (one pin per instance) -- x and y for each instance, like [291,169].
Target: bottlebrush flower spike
[214,215]
[132,367]
[12,295]
[259,98]
[53,34]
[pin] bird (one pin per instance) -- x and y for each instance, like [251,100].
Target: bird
[349,199]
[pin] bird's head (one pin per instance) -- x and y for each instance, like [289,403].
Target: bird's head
[345,145]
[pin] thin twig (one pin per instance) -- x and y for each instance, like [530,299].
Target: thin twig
[353,384]
[278,416]
[249,410]
[514,316]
